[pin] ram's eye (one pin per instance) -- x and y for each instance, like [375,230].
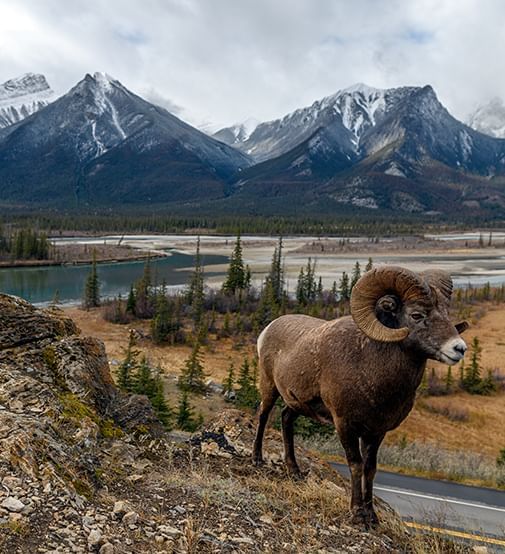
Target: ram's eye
[416,316]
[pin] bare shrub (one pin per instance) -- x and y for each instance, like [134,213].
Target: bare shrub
[449,410]
[113,310]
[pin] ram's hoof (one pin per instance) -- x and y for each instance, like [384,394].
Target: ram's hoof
[371,517]
[364,518]
[258,461]
[359,518]
[295,473]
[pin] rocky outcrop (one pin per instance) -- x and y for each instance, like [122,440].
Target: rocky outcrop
[45,351]
[58,406]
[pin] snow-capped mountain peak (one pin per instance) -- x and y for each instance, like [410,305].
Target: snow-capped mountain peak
[238,132]
[361,88]
[23,96]
[350,112]
[104,79]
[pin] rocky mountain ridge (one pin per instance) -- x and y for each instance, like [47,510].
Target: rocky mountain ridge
[22,96]
[370,149]
[356,152]
[101,143]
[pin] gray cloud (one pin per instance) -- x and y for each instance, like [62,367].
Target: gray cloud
[226,60]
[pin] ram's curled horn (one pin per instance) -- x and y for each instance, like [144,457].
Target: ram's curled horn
[440,280]
[373,285]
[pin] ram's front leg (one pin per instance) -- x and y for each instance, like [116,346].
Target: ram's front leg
[350,442]
[369,448]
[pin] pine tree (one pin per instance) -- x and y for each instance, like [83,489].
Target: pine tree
[143,296]
[301,297]
[268,307]
[356,274]
[276,274]
[488,384]
[334,291]
[226,325]
[195,295]
[143,382]
[236,277]
[228,383]
[162,324]
[192,378]
[306,288]
[472,377]
[92,287]
[128,367]
[344,287]
[247,278]
[369,265]
[131,302]
[185,419]
[246,395]
[320,288]
[423,387]
[117,304]
[449,381]
[160,405]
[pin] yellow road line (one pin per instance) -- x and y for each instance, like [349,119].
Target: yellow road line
[453,533]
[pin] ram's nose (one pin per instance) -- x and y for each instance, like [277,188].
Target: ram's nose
[453,350]
[461,348]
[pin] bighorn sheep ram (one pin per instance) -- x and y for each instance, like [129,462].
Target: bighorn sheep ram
[361,372]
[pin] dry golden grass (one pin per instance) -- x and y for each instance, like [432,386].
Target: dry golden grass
[218,355]
[483,433]
[490,330]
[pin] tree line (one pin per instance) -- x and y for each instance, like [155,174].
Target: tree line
[24,244]
[372,225]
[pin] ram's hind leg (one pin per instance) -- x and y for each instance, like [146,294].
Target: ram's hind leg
[269,395]
[289,417]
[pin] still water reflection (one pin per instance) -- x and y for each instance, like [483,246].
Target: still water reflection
[39,284]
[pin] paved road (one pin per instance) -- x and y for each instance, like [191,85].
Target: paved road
[442,504]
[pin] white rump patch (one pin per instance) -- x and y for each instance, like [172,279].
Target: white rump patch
[261,338]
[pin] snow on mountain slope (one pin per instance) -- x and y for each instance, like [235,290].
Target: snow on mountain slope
[237,133]
[23,96]
[351,110]
[489,118]
[100,140]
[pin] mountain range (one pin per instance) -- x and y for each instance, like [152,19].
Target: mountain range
[22,96]
[100,144]
[360,150]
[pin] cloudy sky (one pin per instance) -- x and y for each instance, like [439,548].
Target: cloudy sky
[222,61]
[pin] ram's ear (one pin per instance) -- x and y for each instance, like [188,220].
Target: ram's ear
[462,327]
[388,303]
